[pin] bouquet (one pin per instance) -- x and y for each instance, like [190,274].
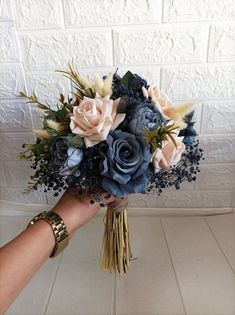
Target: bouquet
[116,135]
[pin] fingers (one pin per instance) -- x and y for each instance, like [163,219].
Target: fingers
[102,199]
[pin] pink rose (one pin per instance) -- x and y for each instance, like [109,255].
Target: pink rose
[169,155]
[159,99]
[93,119]
[162,102]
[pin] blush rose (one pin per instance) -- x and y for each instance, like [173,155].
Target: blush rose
[169,155]
[93,119]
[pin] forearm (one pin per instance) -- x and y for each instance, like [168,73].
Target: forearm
[21,258]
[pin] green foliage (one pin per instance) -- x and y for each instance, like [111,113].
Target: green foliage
[34,100]
[160,134]
[59,115]
[38,150]
[76,142]
[41,148]
[128,80]
[68,103]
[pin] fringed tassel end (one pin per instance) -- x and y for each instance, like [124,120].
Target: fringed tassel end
[116,253]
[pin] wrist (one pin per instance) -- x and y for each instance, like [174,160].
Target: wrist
[58,227]
[75,211]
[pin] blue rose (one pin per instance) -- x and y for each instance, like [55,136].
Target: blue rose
[145,116]
[126,164]
[65,160]
[74,159]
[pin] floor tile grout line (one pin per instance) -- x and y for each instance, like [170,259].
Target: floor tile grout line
[45,308]
[218,244]
[173,266]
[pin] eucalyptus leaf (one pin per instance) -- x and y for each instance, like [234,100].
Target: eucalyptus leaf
[76,142]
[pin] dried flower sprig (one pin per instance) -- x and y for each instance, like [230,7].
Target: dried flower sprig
[85,87]
[33,99]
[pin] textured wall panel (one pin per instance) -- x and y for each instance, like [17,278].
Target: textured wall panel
[48,86]
[218,117]
[11,144]
[218,148]
[11,80]
[35,14]
[9,51]
[17,173]
[37,117]
[6,10]
[213,82]
[198,10]
[102,12]
[15,116]
[3,181]
[216,177]
[160,45]
[18,195]
[222,43]
[54,50]
[195,199]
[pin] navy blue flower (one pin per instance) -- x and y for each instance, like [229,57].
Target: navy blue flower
[140,114]
[129,85]
[58,152]
[65,160]
[189,134]
[145,116]
[125,164]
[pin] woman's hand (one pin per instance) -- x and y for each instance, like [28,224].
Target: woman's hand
[23,256]
[77,210]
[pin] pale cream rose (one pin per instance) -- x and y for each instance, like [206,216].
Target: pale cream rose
[159,99]
[162,102]
[169,155]
[94,118]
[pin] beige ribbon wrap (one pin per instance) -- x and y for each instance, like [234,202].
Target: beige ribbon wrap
[118,205]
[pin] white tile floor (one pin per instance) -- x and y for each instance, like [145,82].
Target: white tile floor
[185,265]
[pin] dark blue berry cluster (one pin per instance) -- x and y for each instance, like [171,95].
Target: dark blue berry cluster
[186,169]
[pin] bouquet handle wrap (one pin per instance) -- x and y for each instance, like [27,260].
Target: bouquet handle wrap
[116,252]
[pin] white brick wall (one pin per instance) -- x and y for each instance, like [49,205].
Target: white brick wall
[187,47]
[160,45]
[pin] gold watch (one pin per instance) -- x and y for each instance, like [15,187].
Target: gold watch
[58,227]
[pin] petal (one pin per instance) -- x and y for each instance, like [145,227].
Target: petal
[112,187]
[118,119]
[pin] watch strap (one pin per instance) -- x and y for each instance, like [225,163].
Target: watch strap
[58,227]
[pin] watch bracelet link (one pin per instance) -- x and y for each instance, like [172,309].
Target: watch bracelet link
[58,227]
